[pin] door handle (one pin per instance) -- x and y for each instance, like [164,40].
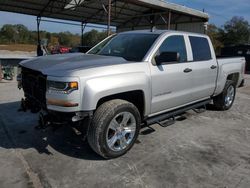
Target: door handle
[213,67]
[187,70]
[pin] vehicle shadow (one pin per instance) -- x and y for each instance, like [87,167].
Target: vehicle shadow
[17,130]
[211,107]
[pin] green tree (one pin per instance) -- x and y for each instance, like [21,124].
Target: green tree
[23,33]
[65,38]
[236,31]
[7,33]
[214,34]
[92,37]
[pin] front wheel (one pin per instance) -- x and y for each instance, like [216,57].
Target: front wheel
[114,128]
[225,100]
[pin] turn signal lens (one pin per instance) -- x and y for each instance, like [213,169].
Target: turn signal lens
[73,85]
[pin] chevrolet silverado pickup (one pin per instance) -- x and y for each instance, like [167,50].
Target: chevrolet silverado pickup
[128,80]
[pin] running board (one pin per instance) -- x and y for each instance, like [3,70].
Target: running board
[171,114]
[167,122]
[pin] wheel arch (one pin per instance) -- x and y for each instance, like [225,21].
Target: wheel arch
[222,79]
[135,97]
[234,77]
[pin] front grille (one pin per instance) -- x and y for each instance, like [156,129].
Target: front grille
[34,86]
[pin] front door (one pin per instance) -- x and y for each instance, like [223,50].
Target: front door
[171,84]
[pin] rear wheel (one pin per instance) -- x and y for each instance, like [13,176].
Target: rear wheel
[225,100]
[114,129]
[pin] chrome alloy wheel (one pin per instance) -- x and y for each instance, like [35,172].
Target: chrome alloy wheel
[229,96]
[121,131]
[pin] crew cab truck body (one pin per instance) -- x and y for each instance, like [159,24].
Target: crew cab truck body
[128,79]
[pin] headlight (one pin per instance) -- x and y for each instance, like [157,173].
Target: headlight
[61,87]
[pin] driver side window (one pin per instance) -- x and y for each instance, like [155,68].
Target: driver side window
[175,43]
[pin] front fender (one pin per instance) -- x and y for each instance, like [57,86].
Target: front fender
[97,88]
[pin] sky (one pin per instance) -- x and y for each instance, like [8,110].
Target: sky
[219,11]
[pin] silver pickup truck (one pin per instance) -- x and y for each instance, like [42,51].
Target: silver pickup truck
[128,80]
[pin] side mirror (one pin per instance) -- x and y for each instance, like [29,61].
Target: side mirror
[167,57]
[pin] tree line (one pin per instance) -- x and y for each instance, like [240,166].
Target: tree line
[20,34]
[233,32]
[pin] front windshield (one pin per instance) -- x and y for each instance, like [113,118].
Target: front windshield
[130,46]
[100,45]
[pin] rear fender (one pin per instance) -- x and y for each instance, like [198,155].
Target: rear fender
[225,71]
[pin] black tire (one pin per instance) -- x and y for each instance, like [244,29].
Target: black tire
[220,100]
[100,123]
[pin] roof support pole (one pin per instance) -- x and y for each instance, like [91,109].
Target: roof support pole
[152,23]
[205,27]
[109,17]
[83,25]
[38,20]
[169,19]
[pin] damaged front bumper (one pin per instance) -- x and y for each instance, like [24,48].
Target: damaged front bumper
[54,117]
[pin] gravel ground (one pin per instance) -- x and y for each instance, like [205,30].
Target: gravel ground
[211,149]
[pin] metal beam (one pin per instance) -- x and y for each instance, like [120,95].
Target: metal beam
[83,26]
[44,8]
[109,16]
[121,9]
[169,19]
[38,21]
[104,8]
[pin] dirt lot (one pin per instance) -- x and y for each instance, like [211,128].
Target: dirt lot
[19,47]
[211,149]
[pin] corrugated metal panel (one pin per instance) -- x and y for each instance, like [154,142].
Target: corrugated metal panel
[192,27]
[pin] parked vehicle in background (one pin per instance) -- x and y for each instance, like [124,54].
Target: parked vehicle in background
[60,50]
[238,51]
[80,49]
[128,79]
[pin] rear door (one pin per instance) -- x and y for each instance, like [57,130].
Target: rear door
[171,86]
[204,67]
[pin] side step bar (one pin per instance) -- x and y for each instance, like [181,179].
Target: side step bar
[172,114]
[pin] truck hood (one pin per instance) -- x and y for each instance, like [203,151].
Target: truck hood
[70,62]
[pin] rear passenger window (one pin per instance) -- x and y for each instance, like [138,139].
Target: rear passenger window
[175,44]
[201,49]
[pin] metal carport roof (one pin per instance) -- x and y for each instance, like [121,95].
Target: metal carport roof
[123,13]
